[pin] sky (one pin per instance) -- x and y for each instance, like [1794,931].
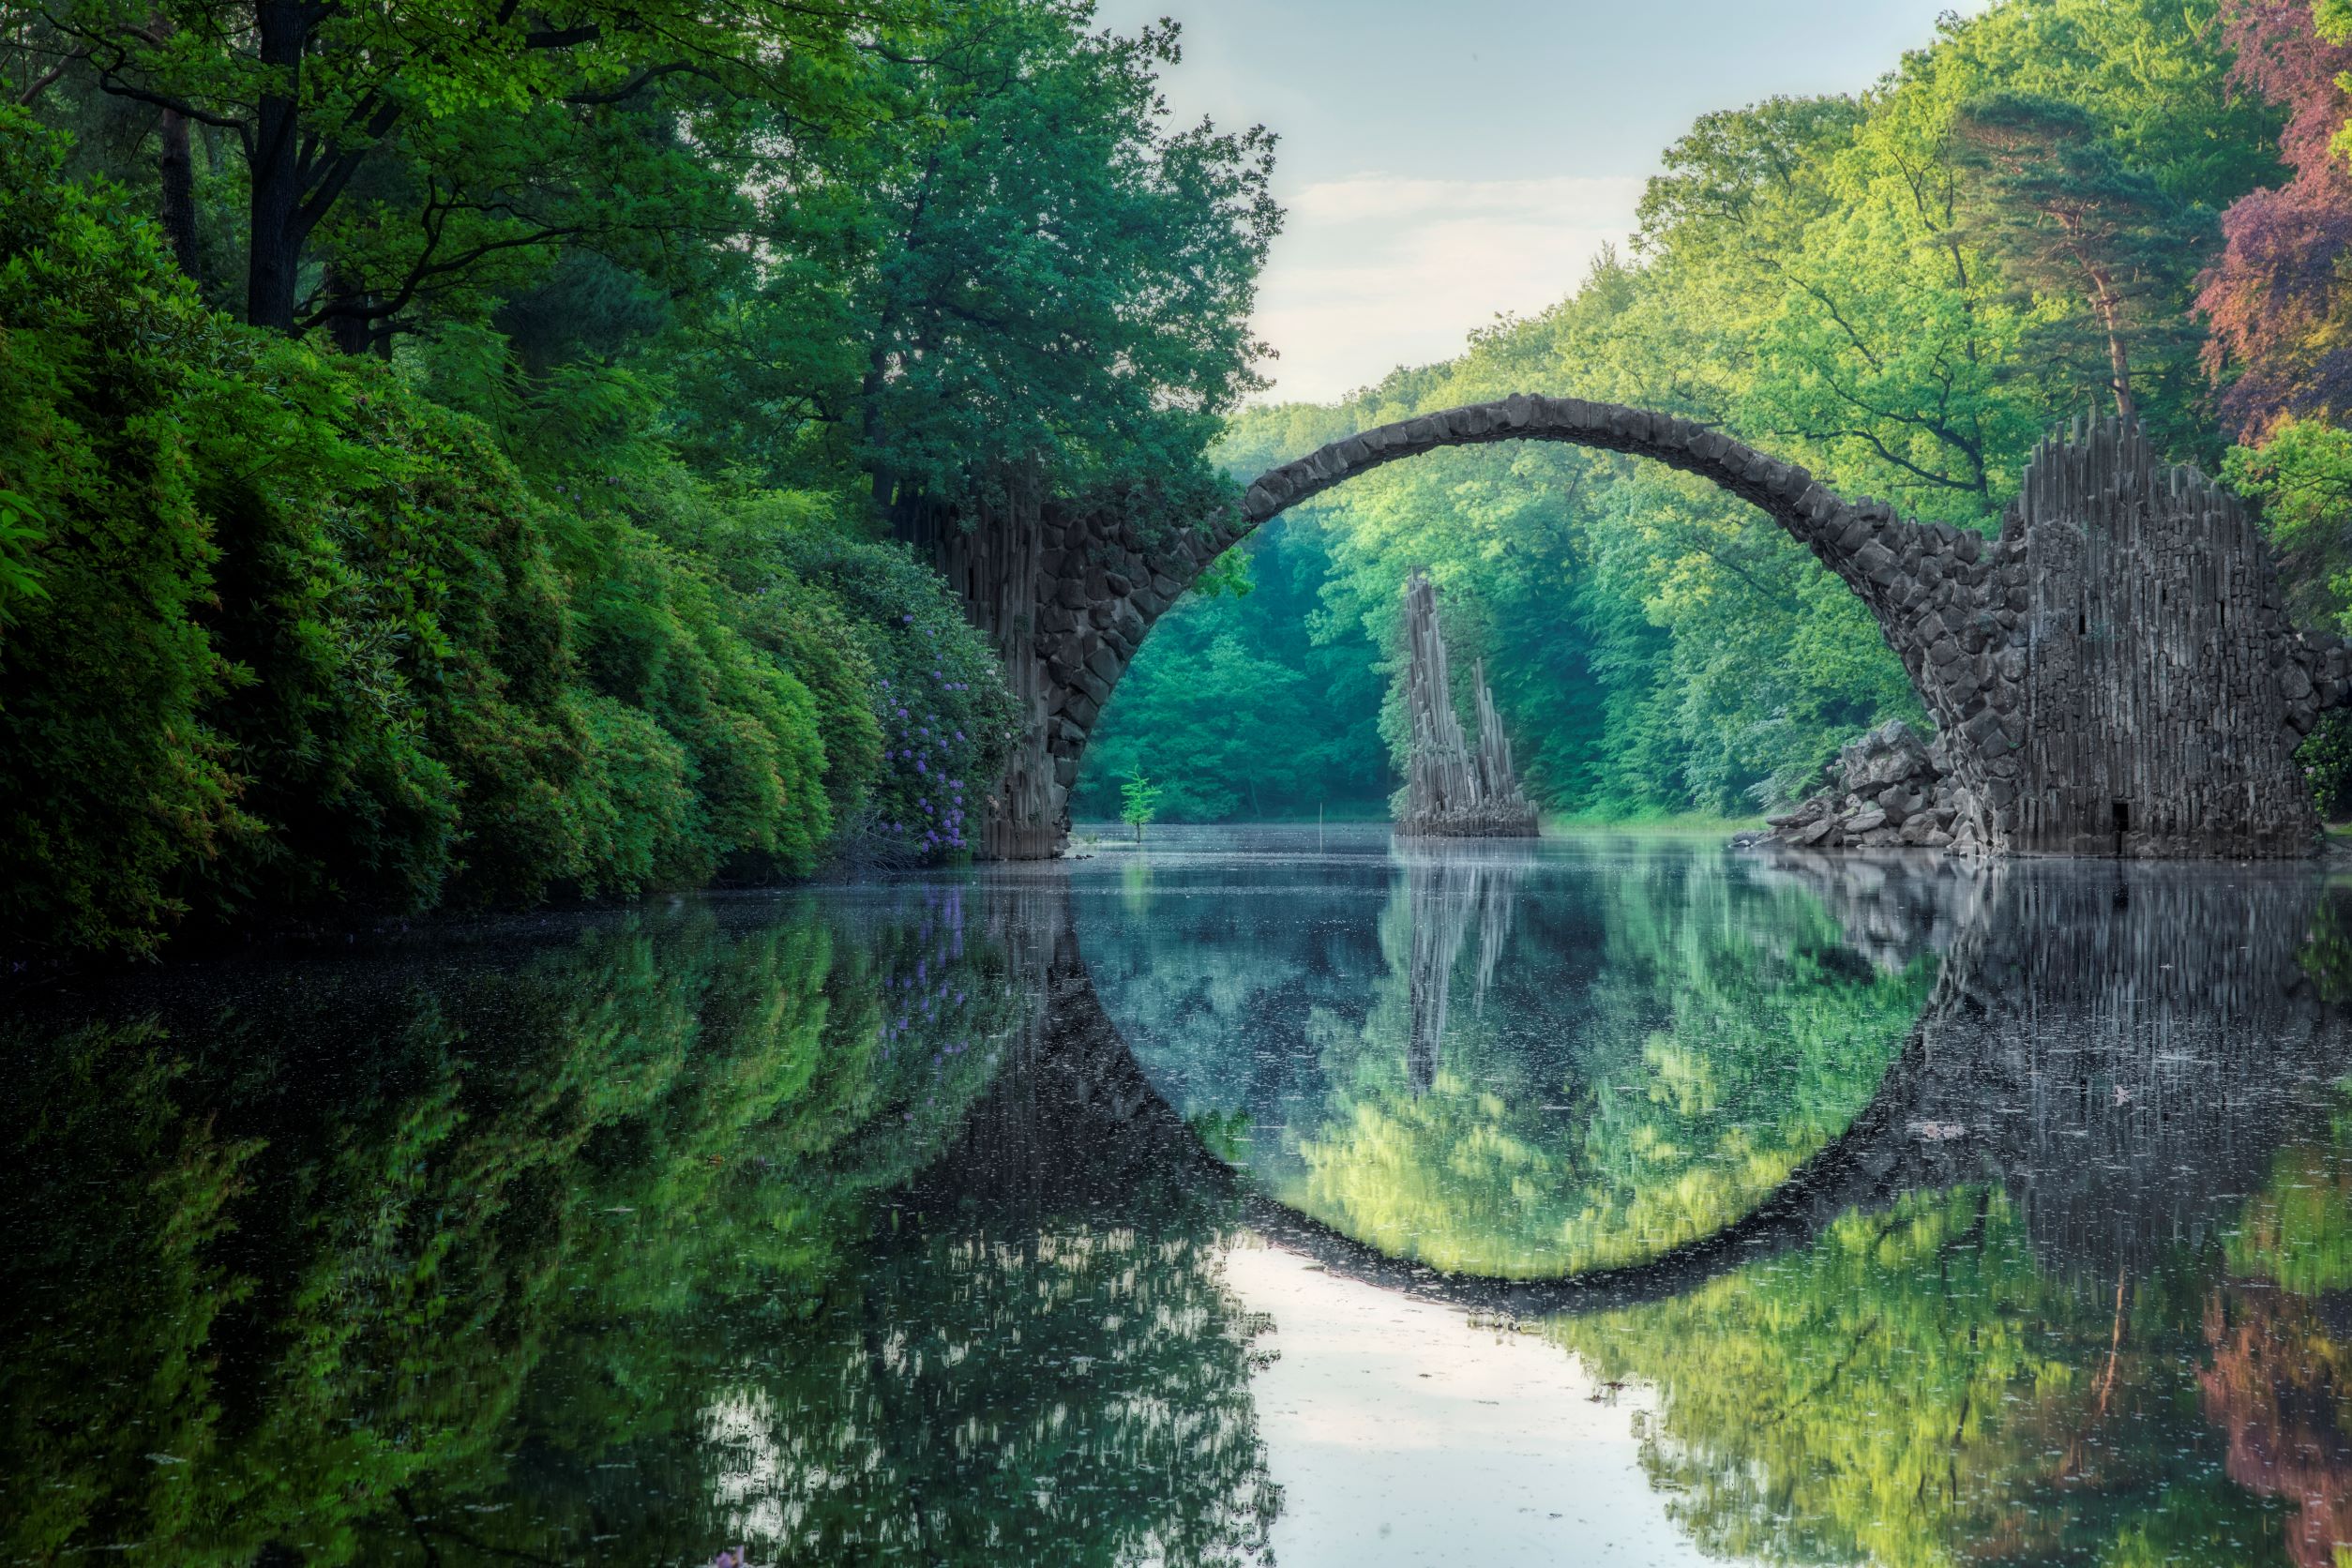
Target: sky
[1446,162]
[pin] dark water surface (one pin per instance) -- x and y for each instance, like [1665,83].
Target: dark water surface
[1269,1192]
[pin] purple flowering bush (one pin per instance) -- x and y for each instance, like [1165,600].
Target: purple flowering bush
[948,718]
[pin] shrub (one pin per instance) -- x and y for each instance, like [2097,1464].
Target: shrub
[947,718]
[279,634]
[113,779]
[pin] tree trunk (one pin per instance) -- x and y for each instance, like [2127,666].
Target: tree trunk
[353,333]
[176,210]
[2119,357]
[274,247]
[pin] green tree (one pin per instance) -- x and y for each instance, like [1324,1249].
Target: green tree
[405,145]
[1257,706]
[1138,803]
[2063,214]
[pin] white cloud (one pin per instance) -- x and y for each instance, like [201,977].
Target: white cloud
[1373,272]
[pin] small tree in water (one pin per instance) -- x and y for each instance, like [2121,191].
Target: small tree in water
[1138,802]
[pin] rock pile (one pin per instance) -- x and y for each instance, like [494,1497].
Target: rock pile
[1887,789]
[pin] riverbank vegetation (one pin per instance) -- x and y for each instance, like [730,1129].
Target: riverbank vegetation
[444,466]
[451,459]
[2059,205]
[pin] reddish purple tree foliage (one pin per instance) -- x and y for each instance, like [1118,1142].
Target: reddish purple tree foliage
[2275,301]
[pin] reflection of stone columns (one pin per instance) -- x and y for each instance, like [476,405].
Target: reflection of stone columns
[2118,1044]
[1070,1124]
[1446,889]
[2121,1047]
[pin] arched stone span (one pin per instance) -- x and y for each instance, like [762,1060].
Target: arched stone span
[2112,673]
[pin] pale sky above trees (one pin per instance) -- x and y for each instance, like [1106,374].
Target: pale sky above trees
[1443,164]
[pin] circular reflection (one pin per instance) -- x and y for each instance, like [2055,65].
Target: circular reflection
[1510,1060]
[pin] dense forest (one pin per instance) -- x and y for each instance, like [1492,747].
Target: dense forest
[448,455]
[2131,205]
[456,458]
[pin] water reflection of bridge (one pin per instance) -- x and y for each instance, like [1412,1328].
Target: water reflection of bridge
[2118,1046]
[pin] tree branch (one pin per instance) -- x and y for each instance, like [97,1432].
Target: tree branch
[639,82]
[41,83]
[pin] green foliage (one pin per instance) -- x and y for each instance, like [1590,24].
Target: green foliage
[2063,212]
[1901,290]
[1915,1390]
[294,638]
[20,531]
[958,275]
[1714,1067]
[1138,803]
[407,162]
[946,717]
[1255,704]
[2301,479]
[1491,1076]
[113,782]
[463,1260]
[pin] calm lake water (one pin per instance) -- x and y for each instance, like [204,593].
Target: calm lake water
[1261,1194]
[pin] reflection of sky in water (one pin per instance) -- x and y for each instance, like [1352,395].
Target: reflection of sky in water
[1403,1432]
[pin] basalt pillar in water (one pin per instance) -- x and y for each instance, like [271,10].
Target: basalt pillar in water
[1453,790]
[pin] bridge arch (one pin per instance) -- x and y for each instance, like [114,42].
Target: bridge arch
[2112,673]
[2044,986]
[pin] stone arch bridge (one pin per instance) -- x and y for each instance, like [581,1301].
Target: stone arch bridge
[2111,673]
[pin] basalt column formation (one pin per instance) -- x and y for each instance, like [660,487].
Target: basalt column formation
[1452,789]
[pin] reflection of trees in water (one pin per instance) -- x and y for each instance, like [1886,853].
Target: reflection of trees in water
[1659,1049]
[2279,1329]
[2004,1364]
[515,1252]
[1915,1389]
[2280,1387]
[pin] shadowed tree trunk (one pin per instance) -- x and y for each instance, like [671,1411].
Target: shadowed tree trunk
[176,210]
